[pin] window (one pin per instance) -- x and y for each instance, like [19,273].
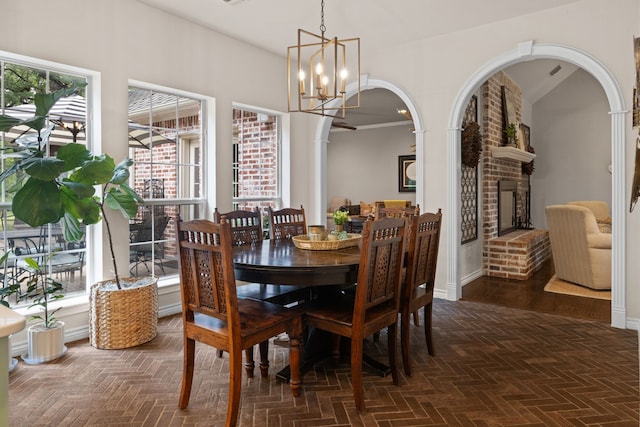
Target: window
[256,160]
[166,143]
[20,79]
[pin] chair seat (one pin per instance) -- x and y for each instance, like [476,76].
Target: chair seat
[254,316]
[277,294]
[339,314]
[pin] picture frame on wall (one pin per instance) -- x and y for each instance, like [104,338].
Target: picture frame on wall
[407,174]
[508,111]
[525,132]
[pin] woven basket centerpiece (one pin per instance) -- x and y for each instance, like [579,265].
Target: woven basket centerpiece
[123,318]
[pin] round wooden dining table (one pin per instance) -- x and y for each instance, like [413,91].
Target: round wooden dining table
[279,261]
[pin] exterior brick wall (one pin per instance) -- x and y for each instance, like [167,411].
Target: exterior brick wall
[257,154]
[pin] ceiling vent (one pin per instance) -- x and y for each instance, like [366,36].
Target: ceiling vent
[555,70]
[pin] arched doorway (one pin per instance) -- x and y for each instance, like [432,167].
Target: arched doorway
[523,52]
[322,138]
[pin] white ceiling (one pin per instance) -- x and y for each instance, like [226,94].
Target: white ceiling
[272,25]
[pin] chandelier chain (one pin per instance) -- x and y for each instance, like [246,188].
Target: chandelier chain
[322,27]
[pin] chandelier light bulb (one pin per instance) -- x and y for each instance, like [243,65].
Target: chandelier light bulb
[301,77]
[343,76]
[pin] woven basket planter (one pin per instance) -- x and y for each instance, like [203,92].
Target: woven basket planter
[123,318]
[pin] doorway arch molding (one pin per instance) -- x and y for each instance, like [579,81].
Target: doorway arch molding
[322,139]
[527,51]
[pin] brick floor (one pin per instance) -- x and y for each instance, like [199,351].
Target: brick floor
[494,366]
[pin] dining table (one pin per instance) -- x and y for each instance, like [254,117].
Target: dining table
[328,271]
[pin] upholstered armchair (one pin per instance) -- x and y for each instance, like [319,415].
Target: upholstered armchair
[600,210]
[581,252]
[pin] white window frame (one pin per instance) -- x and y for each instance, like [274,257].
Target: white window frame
[93,142]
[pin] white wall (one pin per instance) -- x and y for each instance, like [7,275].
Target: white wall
[572,139]
[362,165]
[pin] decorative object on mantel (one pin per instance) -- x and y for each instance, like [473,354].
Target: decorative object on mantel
[511,133]
[331,63]
[471,144]
[528,168]
[525,132]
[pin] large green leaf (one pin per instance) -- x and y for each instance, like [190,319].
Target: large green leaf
[45,101]
[81,189]
[8,122]
[43,168]
[125,188]
[82,208]
[71,228]
[73,155]
[121,172]
[95,172]
[38,203]
[122,201]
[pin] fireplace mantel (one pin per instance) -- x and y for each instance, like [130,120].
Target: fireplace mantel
[512,153]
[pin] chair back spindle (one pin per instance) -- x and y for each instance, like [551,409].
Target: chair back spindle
[246,226]
[286,223]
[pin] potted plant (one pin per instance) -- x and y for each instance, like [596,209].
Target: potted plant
[45,339]
[339,218]
[61,189]
[512,135]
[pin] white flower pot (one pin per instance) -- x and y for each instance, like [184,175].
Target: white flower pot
[45,345]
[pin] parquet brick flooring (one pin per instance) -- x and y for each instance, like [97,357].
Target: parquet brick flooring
[494,366]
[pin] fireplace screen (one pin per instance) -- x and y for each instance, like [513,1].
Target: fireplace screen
[507,207]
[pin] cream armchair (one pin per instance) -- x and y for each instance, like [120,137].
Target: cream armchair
[581,253]
[600,211]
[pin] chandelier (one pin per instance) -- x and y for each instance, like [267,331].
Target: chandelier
[319,69]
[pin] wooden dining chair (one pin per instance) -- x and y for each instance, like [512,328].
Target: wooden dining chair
[212,314]
[417,291]
[408,213]
[376,301]
[286,223]
[246,228]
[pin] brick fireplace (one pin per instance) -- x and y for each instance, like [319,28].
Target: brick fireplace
[520,253]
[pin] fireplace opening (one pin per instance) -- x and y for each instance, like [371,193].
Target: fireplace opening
[507,206]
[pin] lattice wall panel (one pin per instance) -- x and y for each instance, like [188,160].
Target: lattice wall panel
[469,186]
[469,204]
